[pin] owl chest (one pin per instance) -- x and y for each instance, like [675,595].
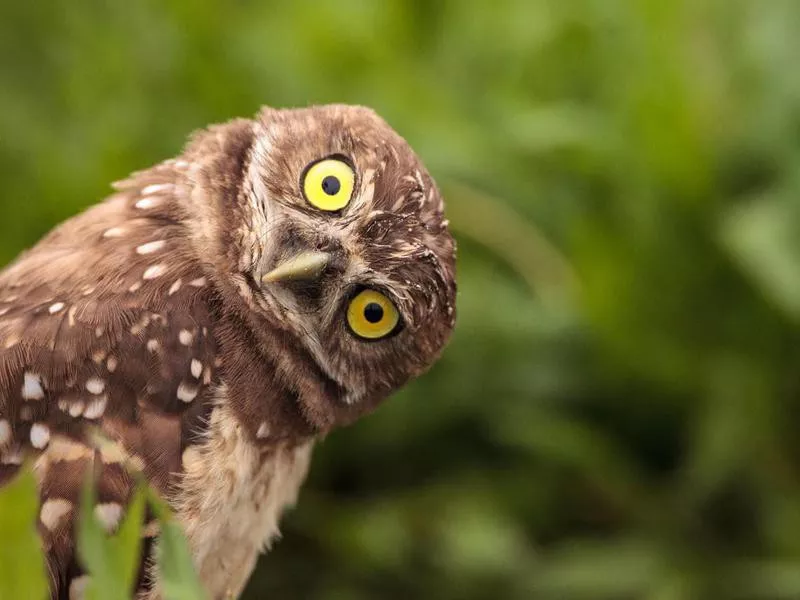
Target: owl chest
[231,499]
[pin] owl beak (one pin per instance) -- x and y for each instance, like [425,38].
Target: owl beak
[306,265]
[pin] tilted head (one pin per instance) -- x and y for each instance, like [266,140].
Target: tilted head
[278,279]
[337,238]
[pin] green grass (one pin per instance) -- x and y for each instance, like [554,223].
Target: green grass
[110,560]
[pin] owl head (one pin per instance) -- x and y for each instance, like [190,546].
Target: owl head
[338,245]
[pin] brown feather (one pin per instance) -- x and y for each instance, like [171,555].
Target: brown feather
[145,317]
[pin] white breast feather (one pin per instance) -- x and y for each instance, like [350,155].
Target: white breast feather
[230,500]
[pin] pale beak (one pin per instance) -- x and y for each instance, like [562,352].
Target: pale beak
[306,265]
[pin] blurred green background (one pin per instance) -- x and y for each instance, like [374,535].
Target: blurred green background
[617,415]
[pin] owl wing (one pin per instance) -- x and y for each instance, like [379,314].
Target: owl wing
[104,326]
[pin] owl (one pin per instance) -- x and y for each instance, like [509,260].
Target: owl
[212,319]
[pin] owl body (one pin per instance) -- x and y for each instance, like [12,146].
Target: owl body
[231,497]
[210,320]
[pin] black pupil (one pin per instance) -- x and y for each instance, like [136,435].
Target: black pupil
[331,185]
[373,312]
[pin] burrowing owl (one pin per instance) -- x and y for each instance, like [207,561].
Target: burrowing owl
[213,317]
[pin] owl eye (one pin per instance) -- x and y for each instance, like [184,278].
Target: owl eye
[328,184]
[371,315]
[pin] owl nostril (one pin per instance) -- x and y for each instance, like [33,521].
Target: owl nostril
[338,263]
[338,256]
[332,246]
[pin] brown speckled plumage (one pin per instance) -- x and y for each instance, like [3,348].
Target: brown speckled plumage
[146,316]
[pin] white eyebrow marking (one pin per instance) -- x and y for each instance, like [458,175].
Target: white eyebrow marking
[55,307]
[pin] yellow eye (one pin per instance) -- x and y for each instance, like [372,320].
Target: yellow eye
[371,315]
[328,184]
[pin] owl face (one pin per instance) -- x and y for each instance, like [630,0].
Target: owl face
[346,247]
